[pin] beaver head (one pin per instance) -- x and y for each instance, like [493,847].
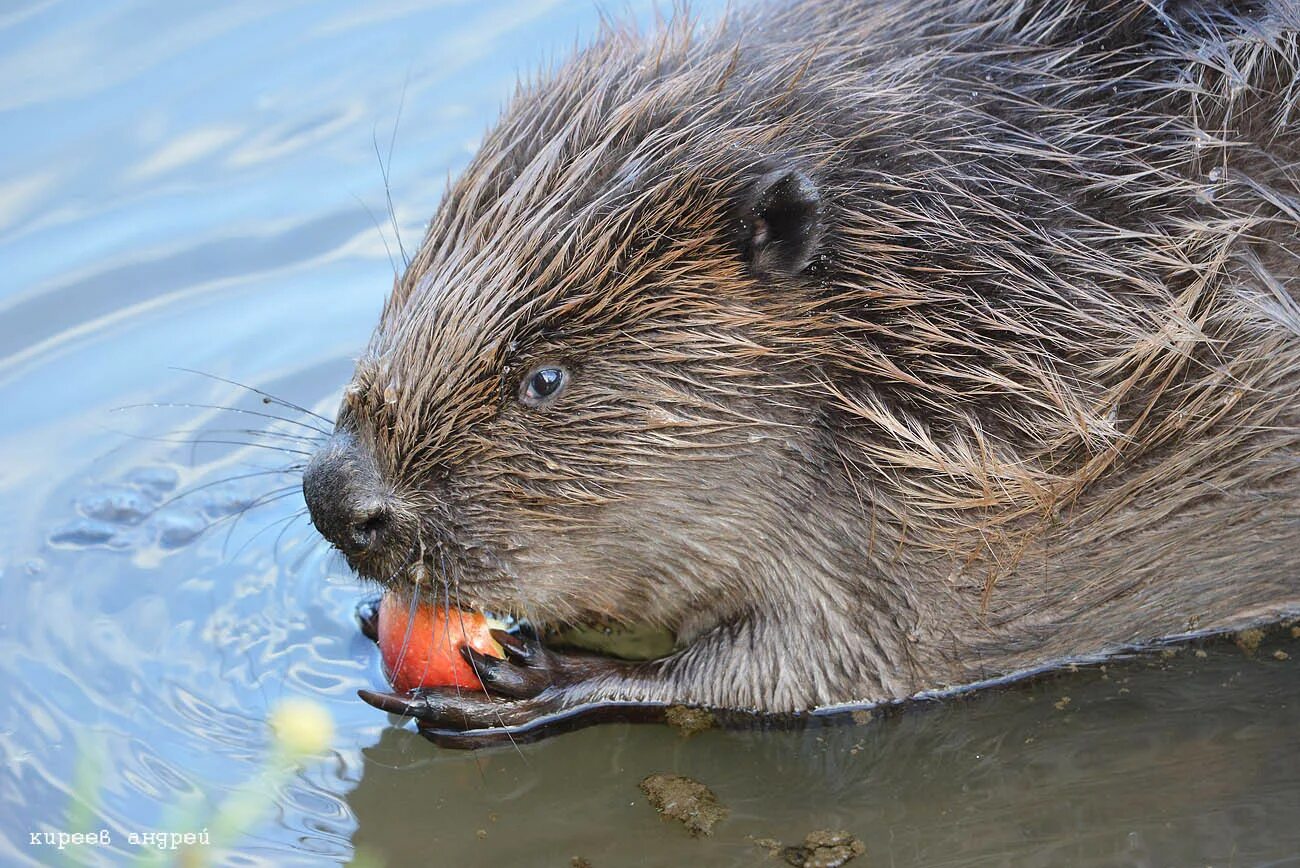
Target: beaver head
[581,399]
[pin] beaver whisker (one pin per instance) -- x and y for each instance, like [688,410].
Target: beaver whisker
[206,441]
[496,711]
[235,517]
[203,441]
[197,406]
[412,608]
[386,169]
[412,557]
[448,607]
[284,471]
[255,432]
[266,396]
[283,523]
[275,548]
[383,239]
[447,593]
[388,196]
[295,439]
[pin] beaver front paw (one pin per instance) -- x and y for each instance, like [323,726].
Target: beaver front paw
[525,694]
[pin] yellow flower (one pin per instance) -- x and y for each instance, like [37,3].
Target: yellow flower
[302,727]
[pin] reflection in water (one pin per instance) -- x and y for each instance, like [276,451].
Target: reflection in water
[198,188]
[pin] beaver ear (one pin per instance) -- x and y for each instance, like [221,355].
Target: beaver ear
[783,223]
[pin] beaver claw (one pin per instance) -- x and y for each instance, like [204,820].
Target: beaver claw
[526,670]
[447,709]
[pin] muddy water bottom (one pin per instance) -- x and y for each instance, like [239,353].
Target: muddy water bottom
[1189,756]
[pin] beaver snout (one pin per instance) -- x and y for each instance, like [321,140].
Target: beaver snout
[347,498]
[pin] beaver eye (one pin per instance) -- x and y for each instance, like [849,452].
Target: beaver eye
[543,385]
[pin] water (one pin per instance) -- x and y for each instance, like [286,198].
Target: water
[191,187]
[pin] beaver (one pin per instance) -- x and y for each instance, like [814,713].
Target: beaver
[875,349]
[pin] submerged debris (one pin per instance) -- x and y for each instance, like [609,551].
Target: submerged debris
[1248,641]
[689,721]
[686,800]
[824,849]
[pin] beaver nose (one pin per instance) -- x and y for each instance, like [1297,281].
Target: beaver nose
[345,497]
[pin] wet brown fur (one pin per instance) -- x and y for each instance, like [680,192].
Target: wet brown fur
[1034,399]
